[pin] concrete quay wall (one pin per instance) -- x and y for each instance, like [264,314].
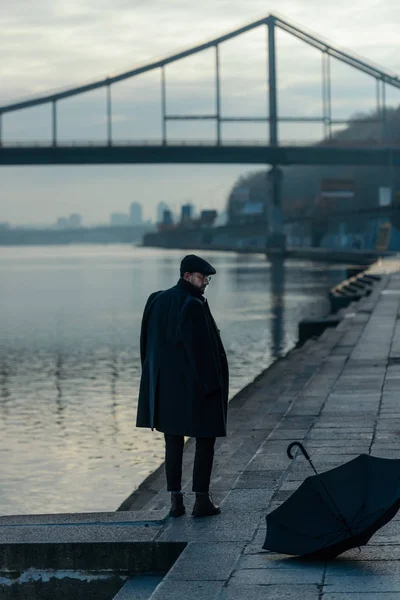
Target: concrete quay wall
[338,394]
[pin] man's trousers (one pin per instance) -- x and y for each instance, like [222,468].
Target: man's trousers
[202,467]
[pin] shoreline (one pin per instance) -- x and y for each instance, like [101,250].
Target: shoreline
[337,395]
[328,255]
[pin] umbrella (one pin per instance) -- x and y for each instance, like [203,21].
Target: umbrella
[336,510]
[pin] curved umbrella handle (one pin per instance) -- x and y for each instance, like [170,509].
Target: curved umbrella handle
[300,446]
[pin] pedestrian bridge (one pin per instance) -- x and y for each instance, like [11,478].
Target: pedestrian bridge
[331,149]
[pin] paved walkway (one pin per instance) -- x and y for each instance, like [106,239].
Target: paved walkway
[340,396]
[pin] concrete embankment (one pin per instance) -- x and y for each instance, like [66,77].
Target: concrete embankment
[337,394]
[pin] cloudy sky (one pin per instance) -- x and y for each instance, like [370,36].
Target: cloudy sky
[51,44]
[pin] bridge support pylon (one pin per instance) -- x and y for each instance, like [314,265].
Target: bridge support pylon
[276,239]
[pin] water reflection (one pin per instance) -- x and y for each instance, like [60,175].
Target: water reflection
[4,384]
[58,373]
[277,306]
[114,393]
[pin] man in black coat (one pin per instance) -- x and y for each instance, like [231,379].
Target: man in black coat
[185,380]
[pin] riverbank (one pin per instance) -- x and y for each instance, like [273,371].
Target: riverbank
[101,234]
[338,395]
[251,239]
[327,255]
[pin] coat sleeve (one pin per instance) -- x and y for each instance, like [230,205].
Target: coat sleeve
[196,337]
[143,329]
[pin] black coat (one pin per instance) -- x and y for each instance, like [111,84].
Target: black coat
[185,379]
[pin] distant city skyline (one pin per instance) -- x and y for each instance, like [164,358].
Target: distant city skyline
[132,216]
[53,45]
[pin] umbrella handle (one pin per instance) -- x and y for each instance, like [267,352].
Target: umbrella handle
[300,446]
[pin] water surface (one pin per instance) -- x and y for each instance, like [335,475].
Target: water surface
[70,366]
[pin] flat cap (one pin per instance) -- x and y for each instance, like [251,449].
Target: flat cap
[194,264]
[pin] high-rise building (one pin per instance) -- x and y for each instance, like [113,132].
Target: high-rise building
[167,218]
[135,214]
[195,212]
[62,223]
[186,213]
[74,221]
[221,219]
[161,207]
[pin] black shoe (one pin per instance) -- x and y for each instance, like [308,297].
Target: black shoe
[204,507]
[177,507]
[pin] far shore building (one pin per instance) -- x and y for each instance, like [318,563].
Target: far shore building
[75,221]
[161,208]
[62,223]
[135,214]
[119,219]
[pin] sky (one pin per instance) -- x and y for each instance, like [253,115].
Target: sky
[51,44]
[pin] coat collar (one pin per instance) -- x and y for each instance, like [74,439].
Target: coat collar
[189,288]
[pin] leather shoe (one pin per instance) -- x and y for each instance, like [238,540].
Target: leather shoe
[177,507]
[204,507]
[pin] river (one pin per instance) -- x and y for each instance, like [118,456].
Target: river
[70,367]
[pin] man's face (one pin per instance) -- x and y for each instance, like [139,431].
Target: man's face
[198,280]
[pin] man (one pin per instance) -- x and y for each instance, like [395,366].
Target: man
[184,383]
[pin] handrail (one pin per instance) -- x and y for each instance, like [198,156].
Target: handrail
[201,143]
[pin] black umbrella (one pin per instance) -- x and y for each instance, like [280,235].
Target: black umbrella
[337,510]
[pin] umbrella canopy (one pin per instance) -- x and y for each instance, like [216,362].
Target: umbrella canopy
[337,510]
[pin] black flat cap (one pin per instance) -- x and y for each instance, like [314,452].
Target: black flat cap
[194,264]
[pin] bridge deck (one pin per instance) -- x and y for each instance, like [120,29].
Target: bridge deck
[199,154]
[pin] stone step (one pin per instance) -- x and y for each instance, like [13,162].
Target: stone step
[138,588]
